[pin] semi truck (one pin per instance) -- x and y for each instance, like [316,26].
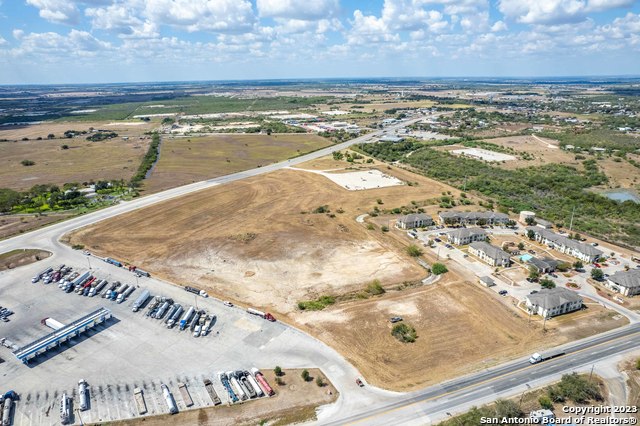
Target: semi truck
[175,317]
[138,397]
[139,272]
[163,309]
[65,409]
[37,277]
[7,405]
[254,384]
[265,315]
[186,397]
[236,386]
[113,262]
[125,294]
[246,385]
[98,288]
[195,321]
[141,300]
[224,379]
[196,291]
[209,326]
[172,310]
[212,392]
[83,394]
[51,323]
[168,397]
[187,317]
[537,358]
[262,381]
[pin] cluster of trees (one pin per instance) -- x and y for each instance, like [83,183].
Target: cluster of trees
[553,189]
[404,333]
[101,136]
[148,161]
[41,197]
[338,136]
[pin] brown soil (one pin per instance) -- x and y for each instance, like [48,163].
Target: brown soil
[21,257]
[294,402]
[190,159]
[264,225]
[11,225]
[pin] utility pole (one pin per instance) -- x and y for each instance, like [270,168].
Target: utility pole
[89,262]
[591,374]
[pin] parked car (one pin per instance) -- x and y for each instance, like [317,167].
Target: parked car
[359,382]
[553,275]
[534,292]
[594,244]
[449,246]
[227,303]
[503,292]
[395,319]
[437,240]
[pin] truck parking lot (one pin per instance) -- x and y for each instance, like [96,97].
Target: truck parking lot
[133,350]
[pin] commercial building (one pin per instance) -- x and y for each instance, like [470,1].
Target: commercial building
[585,252]
[626,283]
[492,255]
[411,221]
[552,302]
[466,235]
[544,265]
[472,218]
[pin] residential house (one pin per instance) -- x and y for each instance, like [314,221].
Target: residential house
[552,302]
[626,283]
[544,224]
[473,218]
[544,265]
[585,252]
[492,255]
[412,221]
[486,281]
[466,235]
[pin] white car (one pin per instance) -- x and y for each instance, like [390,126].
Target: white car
[227,303]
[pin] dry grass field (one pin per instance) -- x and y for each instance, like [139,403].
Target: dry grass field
[15,224]
[81,162]
[190,159]
[250,241]
[21,257]
[42,130]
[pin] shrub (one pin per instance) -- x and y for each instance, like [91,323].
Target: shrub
[404,333]
[547,283]
[438,269]
[597,274]
[321,209]
[371,226]
[638,364]
[277,371]
[384,228]
[545,402]
[316,305]
[77,246]
[65,147]
[319,382]
[414,251]
[27,163]
[375,288]
[578,389]
[305,375]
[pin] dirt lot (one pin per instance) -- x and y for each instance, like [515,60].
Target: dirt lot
[444,315]
[193,158]
[21,257]
[15,224]
[255,240]
[295,401]
[82,162]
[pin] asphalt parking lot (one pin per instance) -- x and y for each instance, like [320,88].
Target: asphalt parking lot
[131,350]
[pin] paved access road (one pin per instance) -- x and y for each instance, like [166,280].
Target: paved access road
[432,404]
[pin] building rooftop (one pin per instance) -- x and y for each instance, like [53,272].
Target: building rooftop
[554,297]
[566,241]
[544,263]
[473,215]
[414,217]
[629,279]
[466,232]
[491,251]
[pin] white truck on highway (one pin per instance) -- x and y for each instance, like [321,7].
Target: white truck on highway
[537,358]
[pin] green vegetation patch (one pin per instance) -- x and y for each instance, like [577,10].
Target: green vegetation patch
[316,305]
[404,333]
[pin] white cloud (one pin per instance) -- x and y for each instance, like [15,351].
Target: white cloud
[122,20]
[3,41]
[55,47]
[556,11]
[498,27]
[409,15]
[202,15]
[369,29]
[58,11]
[601,5]
[298,9]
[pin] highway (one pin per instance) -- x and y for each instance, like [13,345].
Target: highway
[432,404]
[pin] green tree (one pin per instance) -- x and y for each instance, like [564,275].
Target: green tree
[51,136]
[547,283]
[530,221]
[404,332]
[27,162]
[533,273]
[305,375]
[597,274]
[507,408]
[578,265]
[545,402]
[277,371]
[438,269]
[65,146]
[375,288]
[530,234]
[8,199]
[413,250]
[319,382]
[520,246]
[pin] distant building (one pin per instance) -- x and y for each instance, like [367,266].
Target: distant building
[486,281]
[552,302]
[466,235]
[626,283]
[390,138]
[492,255]
[544,265]
[411,221]
[472,218]
[585,252]
[544,223]
[524,215]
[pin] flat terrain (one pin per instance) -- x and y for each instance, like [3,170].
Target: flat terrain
[294,401]
[16,258]
[257,241]
[132,128]
[15,224]
[190,159]
[81,162]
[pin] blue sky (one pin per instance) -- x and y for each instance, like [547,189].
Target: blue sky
[91,41]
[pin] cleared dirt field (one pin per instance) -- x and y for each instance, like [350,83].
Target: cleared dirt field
[15,224]
[21,257]
[81,162]
[295,401]
[42,130]
[461,328]
[250,241]
[193,158]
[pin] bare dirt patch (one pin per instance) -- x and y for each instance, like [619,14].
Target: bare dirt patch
[295,401]
[83,161]
[15,224]
[190,159]
[42,130]
[21,257]
[293,254]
